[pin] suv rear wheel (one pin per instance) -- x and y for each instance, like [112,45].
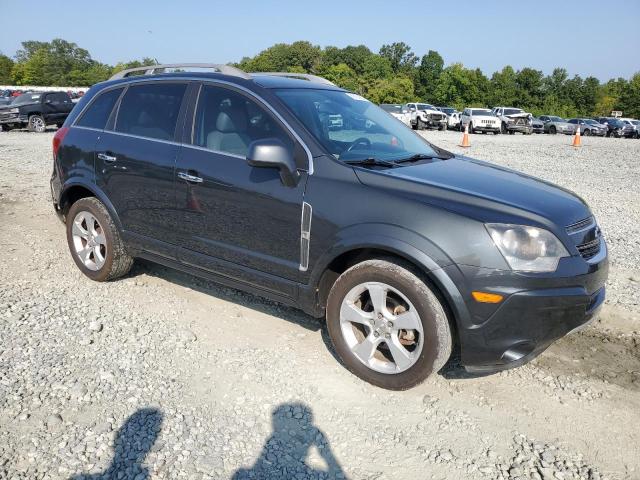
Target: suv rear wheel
[387,325]
[94,241]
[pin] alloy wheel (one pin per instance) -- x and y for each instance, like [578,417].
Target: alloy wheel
[37,124]
[381,327]
[89,241]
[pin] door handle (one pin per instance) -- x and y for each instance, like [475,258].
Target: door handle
[107,158]
[189,178]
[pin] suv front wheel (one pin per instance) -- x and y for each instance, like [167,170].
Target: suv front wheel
[94,241]
[387,326]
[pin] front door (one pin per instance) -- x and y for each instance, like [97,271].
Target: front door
[135,163]
[239,221]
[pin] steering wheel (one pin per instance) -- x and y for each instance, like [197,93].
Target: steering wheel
[359,141]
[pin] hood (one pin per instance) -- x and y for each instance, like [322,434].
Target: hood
[481,190]
[519,115]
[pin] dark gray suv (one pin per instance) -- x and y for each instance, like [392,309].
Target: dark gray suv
[406,249]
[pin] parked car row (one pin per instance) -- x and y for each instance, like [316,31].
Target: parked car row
[508,120]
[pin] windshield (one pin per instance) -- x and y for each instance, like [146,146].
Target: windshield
[557,119]
[388,107]
[591,122]
[365,130]
[512,111]
[615,123]
[26,98]
[448,110]
[425,106]
[481,112]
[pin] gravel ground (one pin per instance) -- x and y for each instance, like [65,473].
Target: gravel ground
[161,375]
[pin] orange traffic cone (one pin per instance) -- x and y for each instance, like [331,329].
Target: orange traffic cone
[576,137]
[465,138]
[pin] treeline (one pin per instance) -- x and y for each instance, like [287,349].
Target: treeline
[58,63]
[393,75]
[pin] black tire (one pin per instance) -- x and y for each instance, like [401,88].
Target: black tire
[503,128]
[496,132]
[415,125]
[586,133]
[470,127]
[511,132]
[421,124]
[4,128]
[117,262]
[552,130]
[437,342]
[37,124]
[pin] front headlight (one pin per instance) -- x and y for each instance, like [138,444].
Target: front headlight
[13,110]
[527,249]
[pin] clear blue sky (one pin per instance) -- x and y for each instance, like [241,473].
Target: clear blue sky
[600,38]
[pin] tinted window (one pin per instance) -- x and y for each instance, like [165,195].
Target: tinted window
[27,98]
[227,121]
[98,112]
[58,97]
[151,110]
[511,111]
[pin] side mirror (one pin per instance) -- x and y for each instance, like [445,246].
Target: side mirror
[272,153]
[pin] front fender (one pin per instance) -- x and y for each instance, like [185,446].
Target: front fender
[404,243]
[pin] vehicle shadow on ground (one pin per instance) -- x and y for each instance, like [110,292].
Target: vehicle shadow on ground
[453,370]
[296,448]
[133,442]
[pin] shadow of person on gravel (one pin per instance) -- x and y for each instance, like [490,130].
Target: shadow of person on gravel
[133,442]
[289,451]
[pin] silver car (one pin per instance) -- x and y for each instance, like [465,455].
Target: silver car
[589,127]
[553,125]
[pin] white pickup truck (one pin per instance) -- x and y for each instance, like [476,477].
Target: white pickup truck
[424,116]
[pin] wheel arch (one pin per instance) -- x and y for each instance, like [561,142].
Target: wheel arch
[427,259]
[74,191]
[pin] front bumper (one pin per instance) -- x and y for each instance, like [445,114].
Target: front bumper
[519,128]
[537,310]
[13,118]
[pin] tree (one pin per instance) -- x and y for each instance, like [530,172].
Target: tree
[400,56]
[343,76]
[503,87]
[629,101]
[398,89]
[428,74]
[6,65]
[282,56]
[529,84]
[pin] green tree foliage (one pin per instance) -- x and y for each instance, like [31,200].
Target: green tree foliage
[428,75]
[6,65]
[394,75]
[400,57]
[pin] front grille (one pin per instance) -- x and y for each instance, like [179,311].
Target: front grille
[586,237]
[581,225]
[590,249]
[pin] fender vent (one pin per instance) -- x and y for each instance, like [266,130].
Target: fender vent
[305,236]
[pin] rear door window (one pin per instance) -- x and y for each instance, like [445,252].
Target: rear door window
[58,98]
[151,110]
[98,112]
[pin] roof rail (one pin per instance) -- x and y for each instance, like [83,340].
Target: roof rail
[155,69]
[301,76]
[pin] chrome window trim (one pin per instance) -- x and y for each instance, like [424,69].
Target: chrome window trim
[146,79]
[151,139]
[87,128]
[210,150]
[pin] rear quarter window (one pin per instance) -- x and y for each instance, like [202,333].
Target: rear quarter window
[99,110]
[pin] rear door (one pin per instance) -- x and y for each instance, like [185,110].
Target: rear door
[239,221]
[136,158]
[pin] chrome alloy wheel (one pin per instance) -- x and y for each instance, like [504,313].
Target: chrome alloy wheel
[89,241]
[381,327]
[37,123]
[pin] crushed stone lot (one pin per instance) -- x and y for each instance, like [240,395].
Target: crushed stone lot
[161,375]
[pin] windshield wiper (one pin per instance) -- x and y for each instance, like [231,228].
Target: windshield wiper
[419,156]
[370,161]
